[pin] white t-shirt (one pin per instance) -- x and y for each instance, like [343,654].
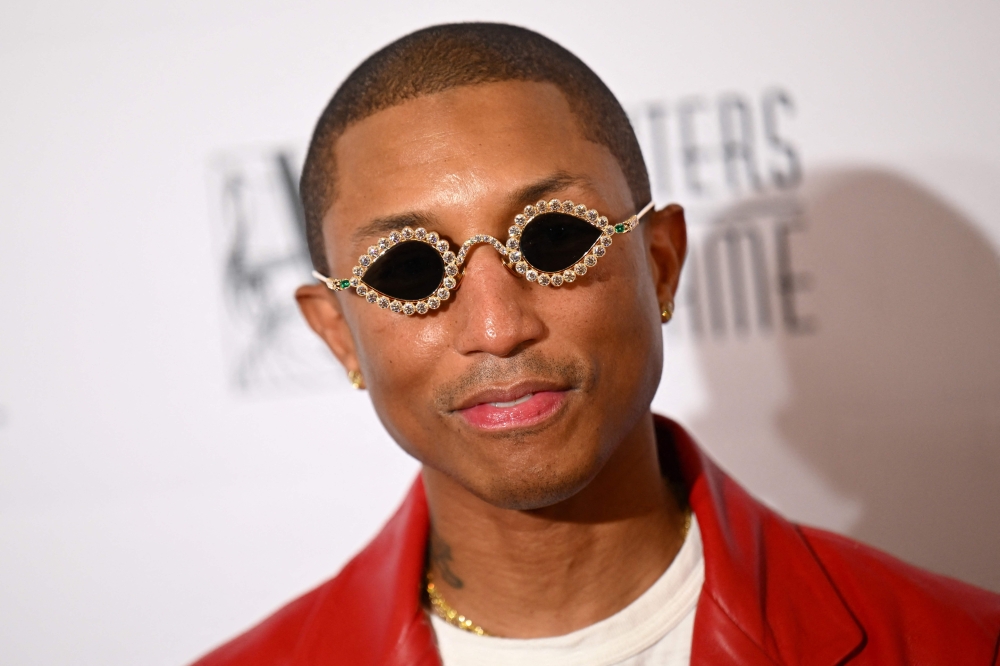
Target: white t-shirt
[657,628]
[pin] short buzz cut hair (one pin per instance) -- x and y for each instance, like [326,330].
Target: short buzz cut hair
[447,56]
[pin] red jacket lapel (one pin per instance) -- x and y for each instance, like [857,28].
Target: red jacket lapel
[372,613]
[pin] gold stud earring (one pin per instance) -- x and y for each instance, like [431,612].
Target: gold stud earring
[356,379]
[667,312]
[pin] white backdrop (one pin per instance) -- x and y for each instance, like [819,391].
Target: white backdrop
[835,346]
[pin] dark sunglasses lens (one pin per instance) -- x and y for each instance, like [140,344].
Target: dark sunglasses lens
[553,242]
[408,271]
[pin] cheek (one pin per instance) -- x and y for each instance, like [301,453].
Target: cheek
[398,354]
[612,315]
[616,300]
[635,259]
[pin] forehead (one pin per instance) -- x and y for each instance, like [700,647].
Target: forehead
[464,148]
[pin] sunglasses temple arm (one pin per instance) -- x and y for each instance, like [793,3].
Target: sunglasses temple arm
[633,222]
[645,209]
[329,282]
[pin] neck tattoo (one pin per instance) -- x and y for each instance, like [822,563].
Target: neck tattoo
[444,610]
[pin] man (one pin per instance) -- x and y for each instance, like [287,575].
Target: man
[556,520]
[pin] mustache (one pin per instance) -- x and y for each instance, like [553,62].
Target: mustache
[496,371]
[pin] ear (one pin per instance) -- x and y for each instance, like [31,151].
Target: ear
[321,310]
[668,247]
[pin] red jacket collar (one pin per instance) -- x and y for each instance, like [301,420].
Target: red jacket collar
[372,613]
[753,560]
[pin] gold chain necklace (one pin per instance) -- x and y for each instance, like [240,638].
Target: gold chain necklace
[444,611]
[449,614]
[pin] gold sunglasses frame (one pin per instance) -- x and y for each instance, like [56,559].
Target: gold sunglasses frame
[510,253]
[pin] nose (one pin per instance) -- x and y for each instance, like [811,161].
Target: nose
[494,309]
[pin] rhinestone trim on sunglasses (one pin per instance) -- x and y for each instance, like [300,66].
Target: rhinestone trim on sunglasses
[510,251]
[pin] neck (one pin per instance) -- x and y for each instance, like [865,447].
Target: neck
[551,571]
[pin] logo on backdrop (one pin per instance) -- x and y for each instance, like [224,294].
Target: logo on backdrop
[728,159]
[731,162]
[263,257]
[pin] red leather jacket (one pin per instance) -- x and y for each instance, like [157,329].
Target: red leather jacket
[774,593]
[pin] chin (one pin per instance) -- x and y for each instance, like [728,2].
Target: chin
[526,471]
[536,487]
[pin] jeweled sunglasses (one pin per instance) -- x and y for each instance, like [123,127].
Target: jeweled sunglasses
[411,271]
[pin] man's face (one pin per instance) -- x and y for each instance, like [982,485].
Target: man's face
[517,392]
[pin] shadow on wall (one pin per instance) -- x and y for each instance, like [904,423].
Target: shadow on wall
[893,401]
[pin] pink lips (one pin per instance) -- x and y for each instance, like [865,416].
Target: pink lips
[527,410]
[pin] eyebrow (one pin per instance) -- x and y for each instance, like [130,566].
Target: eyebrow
[381,226]
[541,189]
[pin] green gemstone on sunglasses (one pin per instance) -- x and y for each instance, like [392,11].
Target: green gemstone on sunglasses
[411,271]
